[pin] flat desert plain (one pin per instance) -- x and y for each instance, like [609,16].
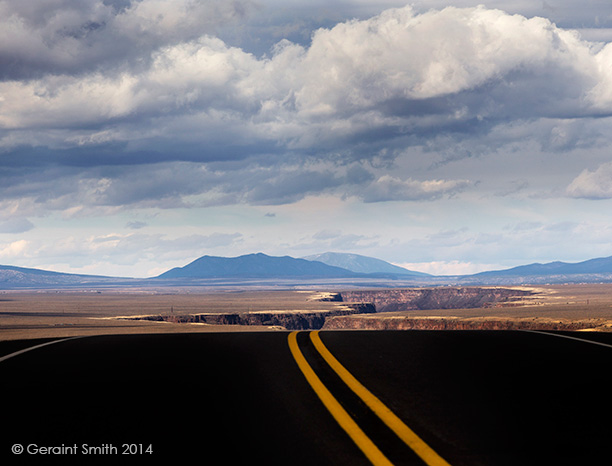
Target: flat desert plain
[53,314]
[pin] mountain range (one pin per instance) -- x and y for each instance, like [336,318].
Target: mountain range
[353,268]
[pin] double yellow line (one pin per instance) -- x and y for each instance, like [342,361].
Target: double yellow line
[372,452]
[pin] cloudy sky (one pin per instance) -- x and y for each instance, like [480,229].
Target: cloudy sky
[445,136]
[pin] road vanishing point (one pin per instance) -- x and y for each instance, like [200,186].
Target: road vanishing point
[310,398]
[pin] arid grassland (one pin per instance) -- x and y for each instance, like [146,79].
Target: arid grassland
[59,314]
[64,313]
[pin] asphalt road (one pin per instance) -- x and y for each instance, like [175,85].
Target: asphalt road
[475,398]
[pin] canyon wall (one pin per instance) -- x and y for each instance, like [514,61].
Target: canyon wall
[290,320]
[414,299]
[380,322]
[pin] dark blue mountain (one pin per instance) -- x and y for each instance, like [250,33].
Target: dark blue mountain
[255,266]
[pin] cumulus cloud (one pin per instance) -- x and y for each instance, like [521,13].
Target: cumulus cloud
[400,55]
[401,68]
[145,126]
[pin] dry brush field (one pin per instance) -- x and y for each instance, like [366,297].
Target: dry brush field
[27,315]
[64,313]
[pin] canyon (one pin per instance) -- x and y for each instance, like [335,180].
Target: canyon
[346,305]
[411,299]
[280,319]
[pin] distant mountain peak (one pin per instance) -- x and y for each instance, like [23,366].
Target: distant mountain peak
[256,265]
[361,264]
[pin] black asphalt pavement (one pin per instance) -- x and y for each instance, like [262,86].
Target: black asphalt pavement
[476,398]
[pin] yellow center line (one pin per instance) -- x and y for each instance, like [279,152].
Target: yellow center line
[364,443]
[411,439]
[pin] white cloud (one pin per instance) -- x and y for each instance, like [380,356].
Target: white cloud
[197,74]
[596,184]
[16,249]
[401,55]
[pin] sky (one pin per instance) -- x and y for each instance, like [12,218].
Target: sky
[445,136]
